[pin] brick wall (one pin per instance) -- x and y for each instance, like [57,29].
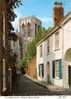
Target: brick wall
[32,68]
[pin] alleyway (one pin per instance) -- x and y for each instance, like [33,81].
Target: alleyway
[26,87]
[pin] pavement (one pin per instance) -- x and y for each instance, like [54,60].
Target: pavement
[26,86]
[51,87]
[44,84]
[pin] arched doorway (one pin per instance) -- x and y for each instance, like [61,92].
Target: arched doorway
[67,59]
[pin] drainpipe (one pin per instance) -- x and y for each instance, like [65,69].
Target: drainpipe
[4,65]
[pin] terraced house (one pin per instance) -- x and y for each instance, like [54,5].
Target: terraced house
[54,51]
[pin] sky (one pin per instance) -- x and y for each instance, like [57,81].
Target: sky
[42,9]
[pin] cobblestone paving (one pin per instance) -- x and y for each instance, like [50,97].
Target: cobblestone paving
[26,87]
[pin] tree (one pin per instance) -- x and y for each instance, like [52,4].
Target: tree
[31,47]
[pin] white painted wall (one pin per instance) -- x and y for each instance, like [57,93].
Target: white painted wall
[42,60]
[67,45]
[64,45]
[53,55]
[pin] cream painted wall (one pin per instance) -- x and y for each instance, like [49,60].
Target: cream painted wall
[53,55]
[67,45]
[64,45]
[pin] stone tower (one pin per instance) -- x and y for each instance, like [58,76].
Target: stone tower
[58,11]
[28,29]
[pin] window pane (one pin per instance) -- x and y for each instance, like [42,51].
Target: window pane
[48,47]
[60,69]
[53,69]
[41,70]
[41,51]
[57,40]
[57,69]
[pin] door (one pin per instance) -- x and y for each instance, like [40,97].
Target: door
[48,72]
[69,72]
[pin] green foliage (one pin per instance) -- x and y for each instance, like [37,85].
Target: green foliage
[23,62]
[1,1]
[31,47]
[49,29]
[40,34]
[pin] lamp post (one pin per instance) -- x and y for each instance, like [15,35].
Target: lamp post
[10,79]
[4,62]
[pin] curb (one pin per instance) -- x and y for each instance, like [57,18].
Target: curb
[44,85]
[35,81]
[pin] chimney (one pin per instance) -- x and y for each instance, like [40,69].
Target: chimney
[58,12]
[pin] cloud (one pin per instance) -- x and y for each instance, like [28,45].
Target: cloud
[45,19]
[16,22]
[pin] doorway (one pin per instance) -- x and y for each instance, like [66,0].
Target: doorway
[48,72]
[69,75]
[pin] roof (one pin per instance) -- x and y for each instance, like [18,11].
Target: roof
[55,28]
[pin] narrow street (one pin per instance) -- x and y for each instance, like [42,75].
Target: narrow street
[26,87]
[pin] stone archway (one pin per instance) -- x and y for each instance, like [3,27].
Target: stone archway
[67,56]
[67,60]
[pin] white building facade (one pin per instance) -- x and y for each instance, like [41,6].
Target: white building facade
[54,55]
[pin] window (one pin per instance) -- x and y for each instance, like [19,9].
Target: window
[40,50]
[57,41]
[24,30]
[60,69]
[48,47]
[57,69]
[53,64]
[36,29]
[29,30]
[41,70]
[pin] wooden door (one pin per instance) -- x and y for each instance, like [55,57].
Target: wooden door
[69,72]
